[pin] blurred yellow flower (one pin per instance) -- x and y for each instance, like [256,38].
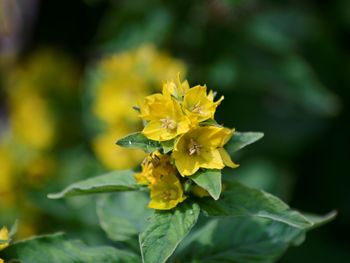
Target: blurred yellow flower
[44,75]
[31,122]
[112,155]
[202,147]
[38,91]
[116,97]
[45,71]
[4,236]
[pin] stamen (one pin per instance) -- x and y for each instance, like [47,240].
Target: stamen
[194,147]
[168,195]
[198,108]
[168,123]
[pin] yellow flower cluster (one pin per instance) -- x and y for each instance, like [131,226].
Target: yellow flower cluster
[4,237]
[185,117]
[121,80]
[161,177]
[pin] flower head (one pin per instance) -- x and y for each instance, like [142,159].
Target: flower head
[166,192]
[198,105]
[176,89]
[202,147]
[154,167]
[167,120]
[161,177]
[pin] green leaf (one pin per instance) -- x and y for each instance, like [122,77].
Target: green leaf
[110,182]
[165,231]
[239,240]
[318,220]
[123,215]
[243,240]
[168,146]
[56,249]
[240,200]
[210,180]
[240,140]
[140,141]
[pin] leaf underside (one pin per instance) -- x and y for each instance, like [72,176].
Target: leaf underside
[210,180]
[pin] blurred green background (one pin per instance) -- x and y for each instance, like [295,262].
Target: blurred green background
[283,67]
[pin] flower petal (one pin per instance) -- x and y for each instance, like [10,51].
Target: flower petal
[186,165]
[227,159]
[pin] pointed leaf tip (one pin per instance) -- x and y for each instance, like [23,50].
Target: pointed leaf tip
[240,140]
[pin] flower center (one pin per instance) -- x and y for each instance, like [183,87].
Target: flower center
[194,147]
[168,194]
[197,108]
[168,123]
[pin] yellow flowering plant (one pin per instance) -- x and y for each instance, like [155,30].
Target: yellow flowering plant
[182,118]
[183,176]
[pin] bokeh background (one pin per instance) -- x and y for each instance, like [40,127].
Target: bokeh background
[70,72]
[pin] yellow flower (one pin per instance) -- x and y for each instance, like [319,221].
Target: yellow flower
[176,90]
[145,177]
[4,236]
[149,107]
[198,105]
[166,192]
[202,147]
[167,121]
[161,177]
[155,166]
